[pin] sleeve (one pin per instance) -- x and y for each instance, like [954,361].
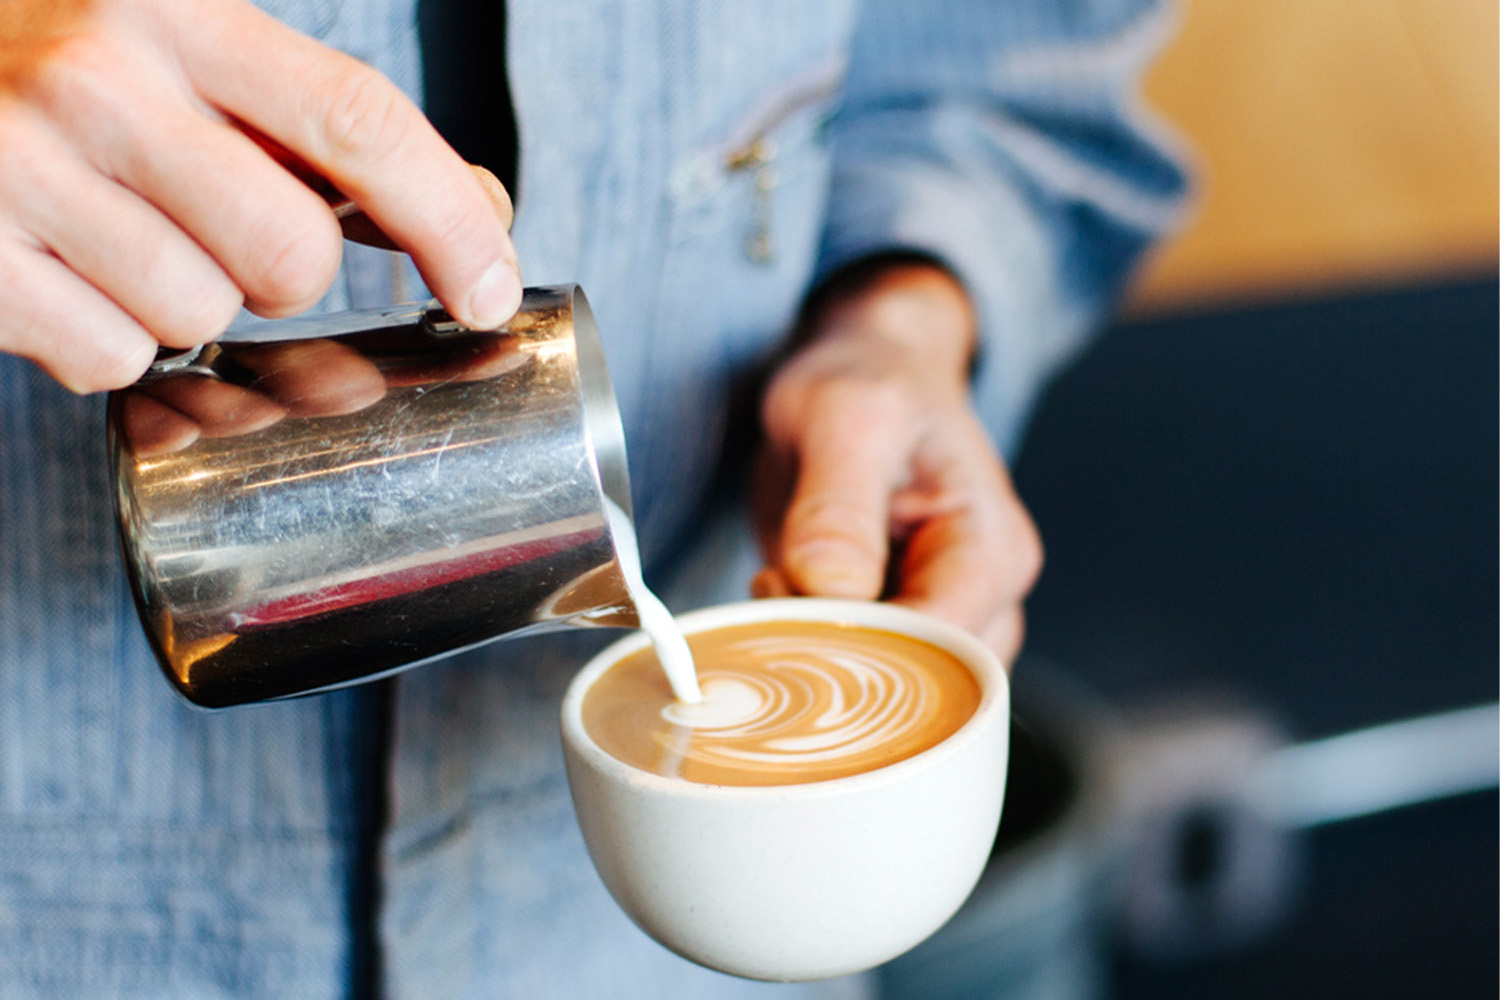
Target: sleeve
[1005,139]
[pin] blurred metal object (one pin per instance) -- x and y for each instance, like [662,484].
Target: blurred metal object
[1173,830]
[313,503]
[1216,799]
[1205,870]
[1389,766]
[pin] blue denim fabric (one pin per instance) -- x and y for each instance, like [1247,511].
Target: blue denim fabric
[150,849]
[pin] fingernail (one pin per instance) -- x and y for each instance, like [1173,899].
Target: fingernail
[496,297]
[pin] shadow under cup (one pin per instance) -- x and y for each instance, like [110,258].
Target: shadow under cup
[797,881]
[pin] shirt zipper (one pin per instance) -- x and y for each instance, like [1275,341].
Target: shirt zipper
[753,151]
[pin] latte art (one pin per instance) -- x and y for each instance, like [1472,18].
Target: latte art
[804,701]
[783,703]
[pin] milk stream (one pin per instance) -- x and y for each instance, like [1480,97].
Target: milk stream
[657,622]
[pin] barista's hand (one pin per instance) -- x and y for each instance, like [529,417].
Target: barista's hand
[146,189]
[878,479]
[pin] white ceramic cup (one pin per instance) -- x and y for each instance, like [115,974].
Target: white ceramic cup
[806,881]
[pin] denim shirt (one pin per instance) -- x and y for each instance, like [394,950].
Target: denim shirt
[695,165]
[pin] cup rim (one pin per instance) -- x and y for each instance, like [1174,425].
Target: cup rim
[975,655]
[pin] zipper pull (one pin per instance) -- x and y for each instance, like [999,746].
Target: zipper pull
[758,157]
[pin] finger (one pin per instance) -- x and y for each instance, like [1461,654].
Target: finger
[356,225]
[118,242]
[70,329]
[953,570]
[360,228]
[217,409]
[770,582]
[771,481]
[315,378]
[473,359]
[1005,634]
[274,237]
[152,428]
[952,573]
[979,554]
[361,132]
[835,536]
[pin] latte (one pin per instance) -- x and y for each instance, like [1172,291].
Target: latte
[783,703]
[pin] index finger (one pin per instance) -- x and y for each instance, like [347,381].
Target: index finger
[357,129]
[974,555]
[835,533]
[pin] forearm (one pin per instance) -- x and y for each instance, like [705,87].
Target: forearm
[1004,142]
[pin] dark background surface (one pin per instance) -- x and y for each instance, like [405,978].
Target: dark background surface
[1296,503]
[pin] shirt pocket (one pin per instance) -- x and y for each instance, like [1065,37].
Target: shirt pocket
[745,220]
[758,184]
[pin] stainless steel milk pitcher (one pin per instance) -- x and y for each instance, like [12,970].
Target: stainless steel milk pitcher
[311,503]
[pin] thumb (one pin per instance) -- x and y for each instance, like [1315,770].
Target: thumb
[835,537]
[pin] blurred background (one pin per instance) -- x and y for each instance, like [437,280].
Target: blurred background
[1269,495]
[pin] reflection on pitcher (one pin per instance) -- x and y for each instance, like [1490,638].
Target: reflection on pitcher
[230,389]
[366,493]
[247,388]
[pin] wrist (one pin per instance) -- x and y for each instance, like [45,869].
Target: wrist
[906,304]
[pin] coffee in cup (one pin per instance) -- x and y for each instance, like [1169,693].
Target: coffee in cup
[783,703]
[829,803]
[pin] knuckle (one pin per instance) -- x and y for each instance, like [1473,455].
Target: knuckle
[23,163]
[834,518]
[297,267]
[361,112]
[873,403]
[114,370]
[43,70]
[456,230]
[202,313]
[116,363]
[194,300]
[75,69]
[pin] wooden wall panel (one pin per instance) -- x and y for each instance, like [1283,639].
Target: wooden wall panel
[1339,142]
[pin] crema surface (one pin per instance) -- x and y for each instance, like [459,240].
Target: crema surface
[784,703]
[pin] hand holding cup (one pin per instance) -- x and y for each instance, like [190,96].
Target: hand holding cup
[770,875]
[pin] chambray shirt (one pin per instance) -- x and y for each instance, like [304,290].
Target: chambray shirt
[415,839]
